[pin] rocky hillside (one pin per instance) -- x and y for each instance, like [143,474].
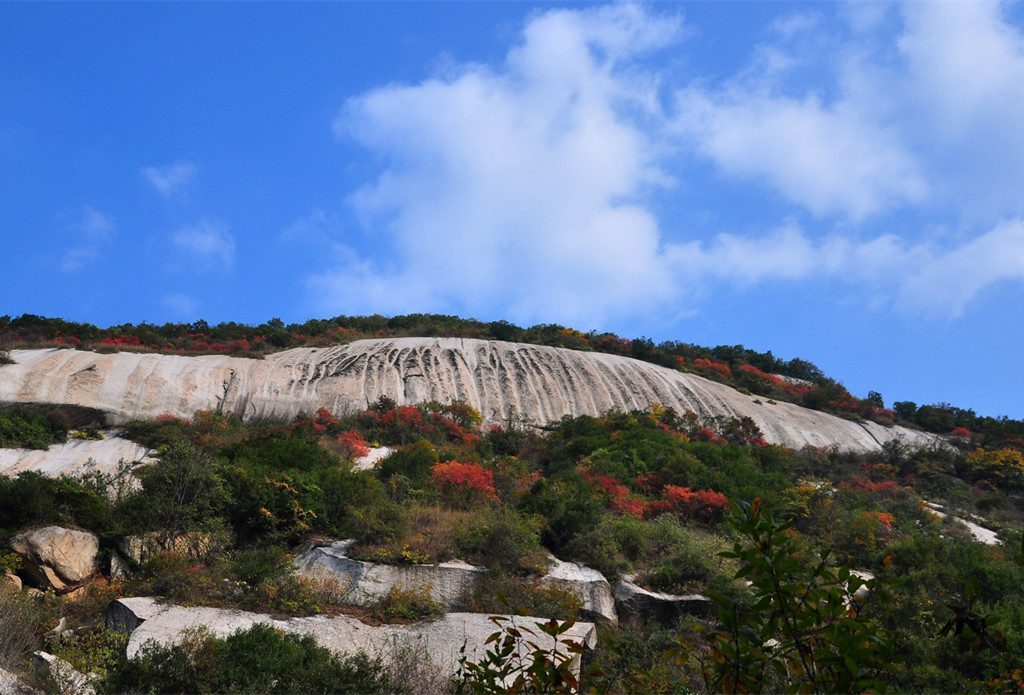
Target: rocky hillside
[500,379]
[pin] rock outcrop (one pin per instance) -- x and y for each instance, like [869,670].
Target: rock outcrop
[10,684]
[502,380]
[450,584]
[73,457]
[440,640]
[124,615]
[635,603]
[57,558]
[586,583]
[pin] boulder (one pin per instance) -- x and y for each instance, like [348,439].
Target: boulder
[65,679]
[634,603]
[58,558]
[440,641]
[141,547]
[11,581]
[124,615]
[588,584]
[450,584]
[10,684]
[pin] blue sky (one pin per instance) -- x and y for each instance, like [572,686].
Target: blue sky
[839,182]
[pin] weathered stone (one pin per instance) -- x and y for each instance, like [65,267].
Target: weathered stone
[634,603]
[63,675]
[370,461]
[57,558]
[119,567]
[10,684]
[439,640]
[74,457]
[141,547]
[450,584]
[10,581]
[502,380]
[588,584]
[126,614]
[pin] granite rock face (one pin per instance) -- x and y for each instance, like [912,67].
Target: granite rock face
[588,584]
[502,380]
[58,558]
[449,584]
[440,640]
[73,457]
[635,603]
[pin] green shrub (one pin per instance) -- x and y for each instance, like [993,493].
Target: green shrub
[402,604]
[32,499]
[5,357]
[506,539]
[500,592]
[30,427]
[22,620]
[412,461]
[260,659]
[97,651]
[183,492]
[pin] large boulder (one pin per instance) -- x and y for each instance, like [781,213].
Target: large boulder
[449,584]
[58,558]
[637,604]
[440,641]
[588,584]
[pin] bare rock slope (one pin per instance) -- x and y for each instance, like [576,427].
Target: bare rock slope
[500,379]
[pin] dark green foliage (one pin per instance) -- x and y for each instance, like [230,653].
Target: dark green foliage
[826,638]
[412,461]
[182,493]
[515,663]
[505,539]
[258,660]
[31,427]
[500,592]
[32,499]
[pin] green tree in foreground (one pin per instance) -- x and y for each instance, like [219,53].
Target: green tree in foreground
[808,630]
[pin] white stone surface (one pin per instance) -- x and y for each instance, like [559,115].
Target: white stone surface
[10,684]
[439,640]
[63,675]
[126,614]
[450,584]
[73,457]
[978,532]
[586,583]
[500,379]
[370,461]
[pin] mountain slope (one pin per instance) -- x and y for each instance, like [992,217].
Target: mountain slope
[500,379]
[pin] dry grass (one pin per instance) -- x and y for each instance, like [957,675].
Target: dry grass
[23,620]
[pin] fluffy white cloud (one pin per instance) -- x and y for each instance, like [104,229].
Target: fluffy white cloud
[919,278]
[168,179]
[208,242]
[92,230]
[528,189]
[828,157]
[520,187]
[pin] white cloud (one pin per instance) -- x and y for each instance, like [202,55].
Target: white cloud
[168,179]
[919,278]
[832,148]
[518,188]
[92,229]
[181,305]
[208,242]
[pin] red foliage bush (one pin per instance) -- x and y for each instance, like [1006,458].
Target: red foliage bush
[353,446]
[707,506]
[713,366]
[464,482]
